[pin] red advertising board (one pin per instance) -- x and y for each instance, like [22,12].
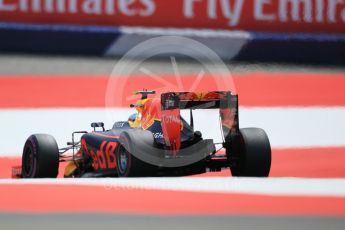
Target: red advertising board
[251,15]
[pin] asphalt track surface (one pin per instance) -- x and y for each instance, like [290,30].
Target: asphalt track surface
[106,221]
[16,64]
[25,215]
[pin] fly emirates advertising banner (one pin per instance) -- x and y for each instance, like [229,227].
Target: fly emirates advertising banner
[326,16]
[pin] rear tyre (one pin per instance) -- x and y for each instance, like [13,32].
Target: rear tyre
[254,156]
[40,157]
[127,164]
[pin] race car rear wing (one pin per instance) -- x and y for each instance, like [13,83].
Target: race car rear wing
[173,102]
[198,100]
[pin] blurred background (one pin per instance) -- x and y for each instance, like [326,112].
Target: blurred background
[286,59]
[308,31]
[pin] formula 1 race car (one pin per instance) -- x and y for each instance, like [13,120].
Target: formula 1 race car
[155,141]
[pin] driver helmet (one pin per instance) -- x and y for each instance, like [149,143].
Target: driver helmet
[133,120]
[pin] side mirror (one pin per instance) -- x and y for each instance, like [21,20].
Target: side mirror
[95,125]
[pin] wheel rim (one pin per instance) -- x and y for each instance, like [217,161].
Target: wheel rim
[123,160]
[29,161]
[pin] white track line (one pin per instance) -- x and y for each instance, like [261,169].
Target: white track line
[286,127]
[259,186]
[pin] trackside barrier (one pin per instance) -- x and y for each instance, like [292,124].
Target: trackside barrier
[116,41]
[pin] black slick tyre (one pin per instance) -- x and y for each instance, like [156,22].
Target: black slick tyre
[127,164]
[40,157]
[254,157]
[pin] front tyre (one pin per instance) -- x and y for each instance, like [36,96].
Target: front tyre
[40,157]
[254,156]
